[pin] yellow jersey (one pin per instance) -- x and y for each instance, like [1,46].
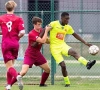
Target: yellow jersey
[58,33]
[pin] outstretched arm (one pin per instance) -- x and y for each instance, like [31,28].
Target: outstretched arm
[80,39]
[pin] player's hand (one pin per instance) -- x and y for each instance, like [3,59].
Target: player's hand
[48,28]
[88,44]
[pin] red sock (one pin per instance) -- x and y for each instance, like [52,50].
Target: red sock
[13,72]
[14,80]
[9,78]
[44,77]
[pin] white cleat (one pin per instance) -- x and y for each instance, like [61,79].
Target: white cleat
[20,83]
[8,87]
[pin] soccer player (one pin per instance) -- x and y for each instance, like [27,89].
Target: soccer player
[12,27]
[33,54]
[58,47]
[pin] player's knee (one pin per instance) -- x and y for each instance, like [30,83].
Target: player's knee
[63,66]
[47,70]
[74,54]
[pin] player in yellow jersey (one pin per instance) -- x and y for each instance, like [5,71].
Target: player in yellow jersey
[59,47]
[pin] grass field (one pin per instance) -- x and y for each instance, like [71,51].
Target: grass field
[76,84]
[58,87]
[75,69]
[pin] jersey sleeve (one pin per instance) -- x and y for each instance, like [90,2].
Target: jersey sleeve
[52,24]
[70,30]
[21,27]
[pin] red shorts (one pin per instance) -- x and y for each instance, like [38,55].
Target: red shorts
[35,58]
[9,51]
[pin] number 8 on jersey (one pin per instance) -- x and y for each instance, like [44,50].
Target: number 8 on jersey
[9,24]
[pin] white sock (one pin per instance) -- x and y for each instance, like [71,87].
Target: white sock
[18,76]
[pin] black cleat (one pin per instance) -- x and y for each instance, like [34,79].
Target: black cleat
[90,64]
[43,85]
[67,85]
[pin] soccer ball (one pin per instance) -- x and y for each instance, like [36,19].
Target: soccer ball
[93,50]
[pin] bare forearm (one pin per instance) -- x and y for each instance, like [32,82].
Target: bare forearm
[79,38]
[44,37]
[0,32]
[20,35]
[41,35]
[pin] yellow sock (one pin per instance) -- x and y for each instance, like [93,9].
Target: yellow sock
[66,79]
[82,60]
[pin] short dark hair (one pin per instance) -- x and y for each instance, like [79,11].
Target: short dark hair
[36,19]
[64,14]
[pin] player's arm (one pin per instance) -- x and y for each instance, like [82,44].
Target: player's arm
[42,37]
[80,39]
[21,28]
[21,33]
[0,32]
[48,39]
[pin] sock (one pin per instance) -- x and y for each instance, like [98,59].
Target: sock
[12,72]
[44,77]
[82,60]
[9,78]
[14,80]
[66,79]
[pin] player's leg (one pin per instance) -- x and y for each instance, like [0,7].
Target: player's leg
[22,73]
[19,77]
[24,70]
[9,62]
[11,73]
[9,59]
[57,54]
[65,73]
[41,62]
[14,79]
[45,74]
[27,63]
[9,76]
[14,52]
[81,59]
